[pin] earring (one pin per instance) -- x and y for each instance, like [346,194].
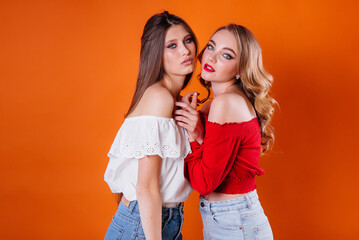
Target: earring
[238,78]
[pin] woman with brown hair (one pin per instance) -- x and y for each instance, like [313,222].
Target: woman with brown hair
[147,156]
[229,134]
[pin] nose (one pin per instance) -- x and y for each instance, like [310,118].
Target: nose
[185,50]
[212,58]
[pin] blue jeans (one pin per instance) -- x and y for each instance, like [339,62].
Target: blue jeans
[241,218]
[126,223]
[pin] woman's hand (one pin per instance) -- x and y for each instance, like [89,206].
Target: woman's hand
[188,117]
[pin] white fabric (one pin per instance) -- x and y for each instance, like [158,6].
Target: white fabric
[142,136]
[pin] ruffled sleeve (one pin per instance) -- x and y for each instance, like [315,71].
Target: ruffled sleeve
[142,136]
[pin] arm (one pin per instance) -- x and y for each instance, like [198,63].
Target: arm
[209,163]
[157,101]
[149,196]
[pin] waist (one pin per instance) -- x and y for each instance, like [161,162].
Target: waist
[247,199]
[214,196]
[166,205]
[232,185]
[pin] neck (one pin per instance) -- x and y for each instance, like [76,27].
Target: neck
[221,87]
[173,84]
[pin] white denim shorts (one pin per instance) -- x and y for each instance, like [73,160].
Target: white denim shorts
[241,218]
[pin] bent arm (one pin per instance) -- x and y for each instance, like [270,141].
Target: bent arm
[209,163]
[149,196]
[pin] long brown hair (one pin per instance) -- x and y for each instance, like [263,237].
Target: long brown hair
[152,47]
[254,81]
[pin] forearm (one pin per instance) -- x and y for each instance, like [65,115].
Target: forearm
[208,164]
[150,204]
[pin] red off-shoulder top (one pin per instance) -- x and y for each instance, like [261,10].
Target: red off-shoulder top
[227,161]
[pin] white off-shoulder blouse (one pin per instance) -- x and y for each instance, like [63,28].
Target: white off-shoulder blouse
[142,136]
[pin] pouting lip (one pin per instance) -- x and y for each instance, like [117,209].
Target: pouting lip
[188,60]
[208,68]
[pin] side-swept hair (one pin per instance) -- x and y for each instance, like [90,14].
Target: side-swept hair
[254,80]
[152,47]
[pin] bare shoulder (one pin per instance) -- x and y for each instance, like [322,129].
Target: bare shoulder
[156,101]
[230,107]
[205,108]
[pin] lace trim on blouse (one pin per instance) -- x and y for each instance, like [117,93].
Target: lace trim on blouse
[142,136]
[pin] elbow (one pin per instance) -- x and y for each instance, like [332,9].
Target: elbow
[202,185]
[203,190]
[142,190]
[147,190]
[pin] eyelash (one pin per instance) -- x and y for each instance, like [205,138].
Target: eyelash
[225,55]
[229,56]
[186,41]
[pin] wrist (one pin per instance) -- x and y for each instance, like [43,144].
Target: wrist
[191,139]
[199,140]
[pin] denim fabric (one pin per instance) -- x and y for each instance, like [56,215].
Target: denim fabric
[126,223]
[241,218]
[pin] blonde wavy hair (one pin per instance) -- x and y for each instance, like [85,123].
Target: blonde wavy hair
[253,80]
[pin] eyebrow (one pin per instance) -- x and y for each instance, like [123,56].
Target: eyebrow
[226,48]
[177,39]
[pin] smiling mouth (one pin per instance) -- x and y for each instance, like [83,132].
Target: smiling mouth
[208,68]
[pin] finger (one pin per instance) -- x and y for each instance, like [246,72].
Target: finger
[186,114]
[187,107]
[184,125]
[183,105]
[194,100]
[183,119]
[186,98]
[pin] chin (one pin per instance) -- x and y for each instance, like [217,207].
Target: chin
[188,71]
[205,77]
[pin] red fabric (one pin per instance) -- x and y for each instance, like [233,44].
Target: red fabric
[227,161]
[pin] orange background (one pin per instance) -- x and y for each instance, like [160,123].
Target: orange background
[68,71]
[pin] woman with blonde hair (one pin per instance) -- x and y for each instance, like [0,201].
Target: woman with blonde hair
[147,156]
[229,134]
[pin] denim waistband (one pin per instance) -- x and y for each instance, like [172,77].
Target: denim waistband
[242,202]
[133,208]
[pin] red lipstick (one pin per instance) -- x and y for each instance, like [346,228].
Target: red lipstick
[208,68]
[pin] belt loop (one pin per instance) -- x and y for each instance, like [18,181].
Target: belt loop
[171,213]
[132,206]
[210,207]
[180,208]
[249,201]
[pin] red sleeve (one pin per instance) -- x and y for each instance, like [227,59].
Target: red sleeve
[209,163]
